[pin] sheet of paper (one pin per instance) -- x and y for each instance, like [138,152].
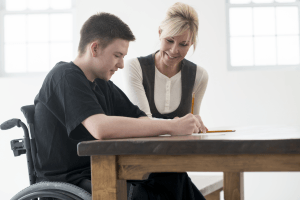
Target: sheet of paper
[198,134]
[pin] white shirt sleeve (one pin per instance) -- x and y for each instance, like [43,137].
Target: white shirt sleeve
[133,78]
[199,88]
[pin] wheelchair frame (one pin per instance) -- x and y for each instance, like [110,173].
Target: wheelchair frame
[26,145]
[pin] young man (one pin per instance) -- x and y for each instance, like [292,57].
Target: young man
[77,102]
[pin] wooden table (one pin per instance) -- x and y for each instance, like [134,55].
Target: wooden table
[249,149]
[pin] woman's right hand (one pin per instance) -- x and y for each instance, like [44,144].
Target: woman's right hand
[185,125]
[202,128]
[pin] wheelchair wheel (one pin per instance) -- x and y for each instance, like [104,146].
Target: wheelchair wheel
[56,190]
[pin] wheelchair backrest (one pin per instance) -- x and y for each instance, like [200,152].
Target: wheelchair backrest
[28,112]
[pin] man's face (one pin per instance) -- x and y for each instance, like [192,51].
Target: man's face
[110,59]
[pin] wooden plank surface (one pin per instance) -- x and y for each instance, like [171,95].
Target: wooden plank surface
[233,186]
[189,147]
[245,141]
[134,167]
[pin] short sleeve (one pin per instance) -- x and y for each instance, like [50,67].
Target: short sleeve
[73,100]
[123,106]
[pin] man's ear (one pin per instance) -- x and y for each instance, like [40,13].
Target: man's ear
[94,49]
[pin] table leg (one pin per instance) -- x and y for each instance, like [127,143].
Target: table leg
[104,179]
[233,185]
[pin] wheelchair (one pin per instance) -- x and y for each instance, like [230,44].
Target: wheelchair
[26,145]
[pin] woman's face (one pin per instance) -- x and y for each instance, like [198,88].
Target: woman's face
[174,49]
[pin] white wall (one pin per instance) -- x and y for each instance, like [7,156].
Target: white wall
[14,93]
[233,98]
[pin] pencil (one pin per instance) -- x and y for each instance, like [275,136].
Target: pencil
[218,131]
[193,99]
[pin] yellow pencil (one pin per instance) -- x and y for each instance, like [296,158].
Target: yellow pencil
[193,99]
[218,131]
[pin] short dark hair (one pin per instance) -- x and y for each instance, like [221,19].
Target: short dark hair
[105,28]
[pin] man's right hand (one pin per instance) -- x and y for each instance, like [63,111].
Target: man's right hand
[185,125]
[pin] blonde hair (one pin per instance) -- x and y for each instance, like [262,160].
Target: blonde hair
[180,17]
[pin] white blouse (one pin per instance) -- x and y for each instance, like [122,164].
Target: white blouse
[167,91]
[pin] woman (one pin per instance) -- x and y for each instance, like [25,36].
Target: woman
[162,84]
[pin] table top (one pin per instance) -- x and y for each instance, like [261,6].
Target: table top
[246,140]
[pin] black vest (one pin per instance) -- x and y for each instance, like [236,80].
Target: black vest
[188,75]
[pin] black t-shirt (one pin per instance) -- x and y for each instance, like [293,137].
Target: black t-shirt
[66,99]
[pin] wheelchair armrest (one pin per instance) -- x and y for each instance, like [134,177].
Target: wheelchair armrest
[10,124]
